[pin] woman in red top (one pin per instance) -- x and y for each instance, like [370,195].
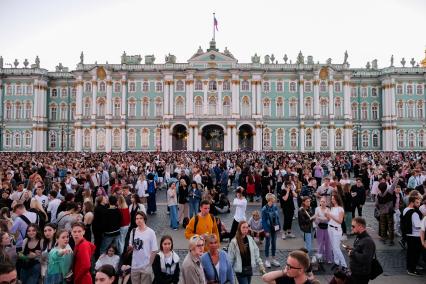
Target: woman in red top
[251,189]
[83,252]
[125,222]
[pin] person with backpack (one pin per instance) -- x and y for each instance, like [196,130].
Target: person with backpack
[152,205]
[384,203]
[203,223]
[22,221]
[410,227]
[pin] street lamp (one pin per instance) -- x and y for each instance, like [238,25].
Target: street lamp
[263,126]
[62,137]
[160,126]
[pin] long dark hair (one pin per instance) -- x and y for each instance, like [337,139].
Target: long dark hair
[239,238]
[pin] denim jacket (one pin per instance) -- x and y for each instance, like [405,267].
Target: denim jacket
[270,218]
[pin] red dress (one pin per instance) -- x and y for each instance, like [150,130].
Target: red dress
[251,188]
[83,253]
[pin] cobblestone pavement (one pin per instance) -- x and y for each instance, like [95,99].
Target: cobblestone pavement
[391,258]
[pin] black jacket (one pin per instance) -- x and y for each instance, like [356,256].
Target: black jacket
[362,254]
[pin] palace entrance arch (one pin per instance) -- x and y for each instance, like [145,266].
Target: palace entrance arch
[212,138]
[245,137]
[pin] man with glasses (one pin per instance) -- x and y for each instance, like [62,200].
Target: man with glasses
[8,274]
[294,271]
[192,270]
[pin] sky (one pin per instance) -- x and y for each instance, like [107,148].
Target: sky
[58,30]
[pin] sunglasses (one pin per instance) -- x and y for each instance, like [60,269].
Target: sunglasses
[292,267]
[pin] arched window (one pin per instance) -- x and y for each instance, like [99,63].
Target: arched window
[410,109]
[64,113]
[9,90]
[364,92]
[101,107]
[53,112]
[308,139]
[399,89]
[54,93]
[374,92]
[338,138]
[212,85]
[86,107]
[374,111]
[64,92]
[212,105]
[409,89]
[245,107]
[293,107]
[73,108]
[292,87]
[198,105]
[52,139]
[72,139]
[102,87]
[324,139]
[411,140]
[226,85]
[8,110]
[145,87]
[28,110]
[353,92]
[159,87]
[365,139]
[280,138]
[364,111]
[308,106]
[132,107]
[132,139]
[18,110]
[245,86]
[280,107]
[132,87]
[266,138]
[180,86]
[18,89]
[198,85]
[145,138]
[117,107]
[73,92]
[226,106]
[355,139]
[27,139]
[421,138]
[400,109]
[87,138]
[401,138]
[308,87]
[266,87]
[419,89]
[88,87]
[338,107]
[158,107]
[8,139]
[117,87]
[116,138]
[145,107]
[293,139]
[324,107]
[17,140]
[420,112]
[100,139]
[280,87]
[180,106]
[354,109]
[158,138]
[337,87]
[266,107]
[375,140]
[323,87]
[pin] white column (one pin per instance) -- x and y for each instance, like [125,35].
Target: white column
[171,97]
[189,98]
[331,136]
[234,138]
[43,114]
[235,96]
[166,98]
[190,144]
[259,98]
[123,138]
[196,139]
[302,138]
[78,143]
[228,146]
[35,116]
[219,95]
[93,138]
[205,98]
[301,98]
[317,137]
[316,99]
[108,117]
[257,139]
[347,131]
[253,97]
[330,98]
[123,97]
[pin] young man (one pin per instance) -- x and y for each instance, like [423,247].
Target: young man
[358,197]
[20,224]
[83,252]
[361,255]
[8,273]
[52,207]
[143,241]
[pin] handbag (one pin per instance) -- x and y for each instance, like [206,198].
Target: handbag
[376,268]
[376,213]
[323,226]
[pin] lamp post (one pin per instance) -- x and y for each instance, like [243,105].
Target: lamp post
[263,126]
[62,137]
[160,126]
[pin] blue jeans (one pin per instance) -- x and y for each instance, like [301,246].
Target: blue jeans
[194,205]
[307,238]
[271,240]
[244,280]
[31,274]
[107,241]
[121,240]
[173,216]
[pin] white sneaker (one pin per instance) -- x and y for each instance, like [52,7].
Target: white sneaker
[283,236]
[267,264]
[291,235]
[275,263]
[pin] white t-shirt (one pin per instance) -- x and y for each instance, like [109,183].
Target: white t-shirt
[415,223]
[42,199]
[240,210]
[144,244]
[423,225]
[335,212]
[53,208]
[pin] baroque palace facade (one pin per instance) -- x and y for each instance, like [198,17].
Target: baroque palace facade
[212,102]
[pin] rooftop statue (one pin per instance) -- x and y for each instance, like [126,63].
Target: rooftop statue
[130,59]
[272,58]
[255,58]
[300,58]
[412,62]
[345,60]
[310,60]
[1,62]
[82,58]
[403,62]
[374,64]
[329,61]
[171,59]
[285,58]
[267,59]
[149,59]
[37,62]
[228,53]
[368,65]
[26,63]
[391,61]
[16,63]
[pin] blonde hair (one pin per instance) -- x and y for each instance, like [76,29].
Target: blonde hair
[37,205]
[270,196]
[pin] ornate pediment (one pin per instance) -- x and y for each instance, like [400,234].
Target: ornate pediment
[212,56]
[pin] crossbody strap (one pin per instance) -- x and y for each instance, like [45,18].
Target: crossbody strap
[216,276]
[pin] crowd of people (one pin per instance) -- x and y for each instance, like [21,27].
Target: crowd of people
[83,218]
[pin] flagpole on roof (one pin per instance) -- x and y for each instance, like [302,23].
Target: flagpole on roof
[214,26]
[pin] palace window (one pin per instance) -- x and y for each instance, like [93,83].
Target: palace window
[409,89]
[198,85]
[324,107]
[323,87]
[28,110]
[364,111]
[280,138]
[280,107]
[18,89]
[292,87]
[293,107]
[158,138]
[308,106]
[116,138]
[73,108]
[145,87]
[53,112]
[266,138]
[73,92]
[101,107]
[180,106]
[18,110]
[338,107]
[212,105]
[88,87]
[364,92]
[117,107]
[27,139]
[353,92]
[419,89]
[420,109]
[117,87]
[308,87]
[145,138]
[399,89]
[410,109]
[355,139]
[421,138]
[374,111]
[411,140]
[324,139]
[212,85]
[145,107]
[54,93]
[293,138]
[180,86]
[8,139]
[52,139]
[337,87]
[198,106]
[279,87]
[158,107]
[245,86]
[8,111]
[102,87]
[338,138]
[375,140]
[226,106]
[365,139]
[226,85]
[354,109]
[266,87]
[63,112]
[245,107]
[87,107]
[9,90]
[17,140]
[132,139]
[400,109]
[132,87]
[266,107]
[401,138]
[308,139]
[132,107]
[64,92]
[374,92]
[100,139]
[86,138]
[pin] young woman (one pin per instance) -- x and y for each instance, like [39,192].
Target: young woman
[47,243]
[335,219]
[172,204]
[166,263]
[125,222]
[109,257]
[183,201]
[7,249]
[305,222]
[347,206]
[271,225]
[30,256]
[194,197]
[244,254]
[68,217]
[60,259]
[323,239]
[135,207]
[105,275]
[240,203]
[255,227]
[216,266]
[251,186]
[88,216]
[83,252]
[287,206]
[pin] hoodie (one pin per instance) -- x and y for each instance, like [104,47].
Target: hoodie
[83,253]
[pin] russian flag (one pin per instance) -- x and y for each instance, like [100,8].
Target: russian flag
[215,23]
